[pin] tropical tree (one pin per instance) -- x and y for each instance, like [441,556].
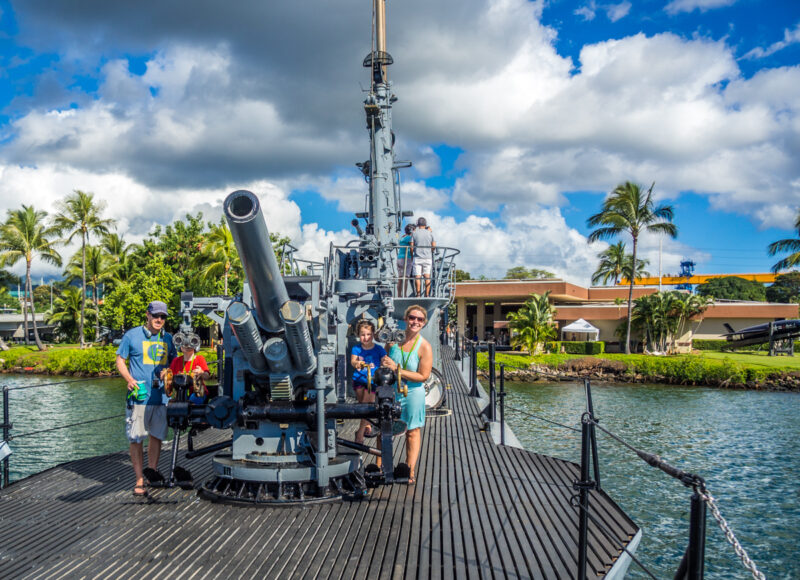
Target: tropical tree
[80,215]
[787,245]
[118,251]
[23,236]
[523,273]
[533,324]
[663,317]
[612,261]
[218,256]
[733,288]
[99,269]
[124,307]
[641,264]
[786,288]
[629,209]
[66,313]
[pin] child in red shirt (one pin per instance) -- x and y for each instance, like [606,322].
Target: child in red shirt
[195,365]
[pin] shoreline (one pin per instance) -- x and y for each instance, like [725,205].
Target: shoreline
[785,382]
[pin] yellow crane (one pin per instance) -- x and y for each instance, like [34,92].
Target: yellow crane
[695,279]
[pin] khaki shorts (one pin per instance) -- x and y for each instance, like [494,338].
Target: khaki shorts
[155,422]
[405,267]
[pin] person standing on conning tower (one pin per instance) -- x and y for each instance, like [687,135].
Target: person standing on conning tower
[422,246]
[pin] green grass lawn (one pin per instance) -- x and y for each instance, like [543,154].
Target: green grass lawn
[760,359]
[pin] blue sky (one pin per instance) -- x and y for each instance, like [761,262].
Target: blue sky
[519,116]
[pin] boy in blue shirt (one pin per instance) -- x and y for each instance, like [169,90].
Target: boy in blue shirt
[148,351]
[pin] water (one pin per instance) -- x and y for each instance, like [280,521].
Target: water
[744,443]
[46,407]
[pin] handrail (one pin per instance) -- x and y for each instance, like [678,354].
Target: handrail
[692,563]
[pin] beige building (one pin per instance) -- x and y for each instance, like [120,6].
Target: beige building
[482,306]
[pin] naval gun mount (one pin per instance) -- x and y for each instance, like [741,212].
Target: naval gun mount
[283,383]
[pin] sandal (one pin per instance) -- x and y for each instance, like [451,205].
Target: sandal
[411,480]
[140,491]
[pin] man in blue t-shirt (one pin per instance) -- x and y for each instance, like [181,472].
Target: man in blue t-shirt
[148,350]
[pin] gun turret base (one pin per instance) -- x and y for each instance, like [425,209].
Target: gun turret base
[268,485]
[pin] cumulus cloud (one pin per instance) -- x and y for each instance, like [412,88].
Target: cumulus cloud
[678,6]
[789,37]
[268,93]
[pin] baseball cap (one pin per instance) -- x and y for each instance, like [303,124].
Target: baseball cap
[157,307]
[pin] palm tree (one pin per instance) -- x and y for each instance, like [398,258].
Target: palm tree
[80,215]
[641,264]
[629,209]
[612,261]
[219,256]
[115,247]
[23,236]
[99,269]
[533,323]
[66,313]
[787,245]
[663,316]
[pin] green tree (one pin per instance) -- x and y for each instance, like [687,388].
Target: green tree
[119,252]
[787,245]
[66,314]
[80,215]
[218,257]
[641,264]
[631,210]
[99,268]
[733,288]
[533,324]
[462,275]
[23,236]
[523,273]
[662,317]
[612,261]
[785,289]
[124,307]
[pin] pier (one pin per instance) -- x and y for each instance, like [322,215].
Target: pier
[478,510]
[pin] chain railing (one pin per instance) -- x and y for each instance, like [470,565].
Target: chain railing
[692,564]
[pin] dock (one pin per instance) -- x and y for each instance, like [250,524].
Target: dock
[478,510]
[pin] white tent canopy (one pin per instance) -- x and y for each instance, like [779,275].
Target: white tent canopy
[582,328]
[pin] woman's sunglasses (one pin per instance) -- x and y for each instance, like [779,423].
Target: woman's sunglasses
[412,318]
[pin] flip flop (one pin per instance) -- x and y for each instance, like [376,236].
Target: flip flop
[140,491]
[411,480]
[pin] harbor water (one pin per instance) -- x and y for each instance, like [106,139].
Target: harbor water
[744,443]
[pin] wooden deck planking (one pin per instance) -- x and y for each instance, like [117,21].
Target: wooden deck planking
[478,510]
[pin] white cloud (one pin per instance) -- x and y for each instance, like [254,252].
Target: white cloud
[678,6]
[588,12]
[789,37]
[617,12]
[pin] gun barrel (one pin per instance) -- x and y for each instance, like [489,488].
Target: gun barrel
[249,229]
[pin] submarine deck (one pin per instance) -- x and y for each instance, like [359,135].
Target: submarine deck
[478,510]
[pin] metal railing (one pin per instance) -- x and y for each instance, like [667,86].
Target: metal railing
[691,566]
[354,261]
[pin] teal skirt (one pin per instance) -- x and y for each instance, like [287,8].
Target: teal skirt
[413,406]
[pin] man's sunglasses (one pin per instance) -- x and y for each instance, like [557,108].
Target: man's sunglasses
[412,318]
[161,316]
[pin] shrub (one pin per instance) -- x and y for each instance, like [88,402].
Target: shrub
[582,347]
[705,344]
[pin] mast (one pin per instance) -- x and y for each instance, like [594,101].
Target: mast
[383,220]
